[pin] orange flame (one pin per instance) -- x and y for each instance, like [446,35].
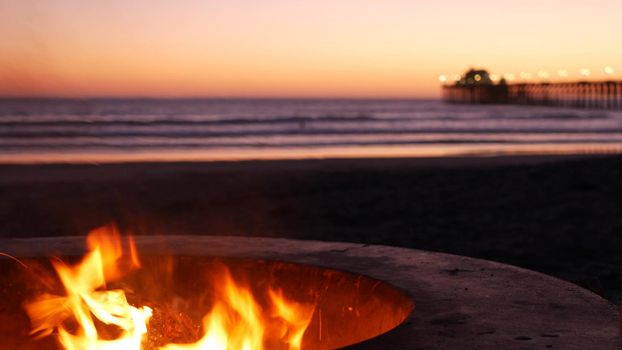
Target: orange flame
[236,321]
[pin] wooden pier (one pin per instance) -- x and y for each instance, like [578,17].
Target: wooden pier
[583,94]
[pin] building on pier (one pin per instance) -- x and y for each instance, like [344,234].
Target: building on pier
[476,86]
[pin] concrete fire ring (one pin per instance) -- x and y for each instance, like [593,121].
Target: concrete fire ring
[461,303]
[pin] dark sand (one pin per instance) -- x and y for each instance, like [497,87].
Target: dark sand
[561,215]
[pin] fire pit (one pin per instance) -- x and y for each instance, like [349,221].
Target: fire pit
[115,301]
[364,293]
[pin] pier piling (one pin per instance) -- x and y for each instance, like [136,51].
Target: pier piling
[582,94]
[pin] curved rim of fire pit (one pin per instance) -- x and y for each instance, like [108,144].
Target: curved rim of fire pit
[460,302]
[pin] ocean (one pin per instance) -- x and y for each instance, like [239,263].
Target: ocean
[99,130]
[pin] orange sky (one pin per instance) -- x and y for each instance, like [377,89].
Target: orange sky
[332,48]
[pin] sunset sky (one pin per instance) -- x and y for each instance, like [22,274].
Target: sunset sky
[293,48]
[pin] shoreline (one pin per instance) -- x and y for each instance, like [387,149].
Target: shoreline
[422,151]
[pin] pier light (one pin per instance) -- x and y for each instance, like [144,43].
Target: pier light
[609,70]
[442,78]
[525,76]
[495,78]
[456,78]
[543,75]
[509,76]
[478,77]
[562,73]
[585,72]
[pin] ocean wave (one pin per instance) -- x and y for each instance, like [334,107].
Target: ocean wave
[254,145]
[150,124]
[309,133]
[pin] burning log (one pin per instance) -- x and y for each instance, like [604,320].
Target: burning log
[170,326]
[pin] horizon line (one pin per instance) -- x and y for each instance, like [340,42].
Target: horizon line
[198,97]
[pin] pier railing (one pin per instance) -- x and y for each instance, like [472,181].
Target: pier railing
[583,94]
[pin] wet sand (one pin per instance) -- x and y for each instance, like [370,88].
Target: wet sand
[561,215]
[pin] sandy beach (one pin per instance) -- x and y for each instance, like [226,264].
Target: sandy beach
[559,215]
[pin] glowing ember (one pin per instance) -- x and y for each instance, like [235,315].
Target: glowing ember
[91,317]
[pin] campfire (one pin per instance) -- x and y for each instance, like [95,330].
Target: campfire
[114,299]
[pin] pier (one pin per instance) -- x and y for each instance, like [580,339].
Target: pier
[476,88]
